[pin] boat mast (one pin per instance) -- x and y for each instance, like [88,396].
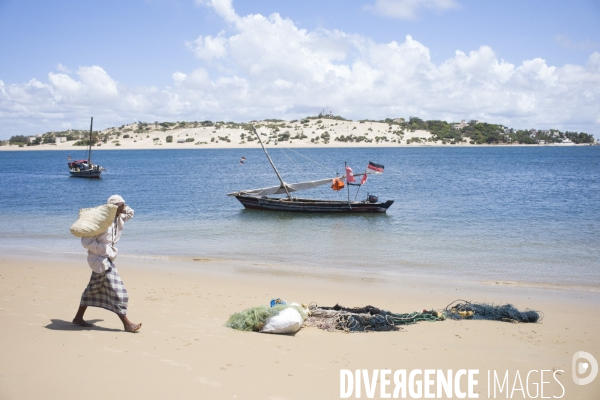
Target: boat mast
[90,148]
[271,161]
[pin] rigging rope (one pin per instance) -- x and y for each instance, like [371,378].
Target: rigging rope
[310,159]
[291,159]
[297,166]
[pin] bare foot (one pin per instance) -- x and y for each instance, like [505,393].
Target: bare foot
[133,328]
[80,321]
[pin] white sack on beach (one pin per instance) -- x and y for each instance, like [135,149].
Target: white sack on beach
[94,221]
[287,321]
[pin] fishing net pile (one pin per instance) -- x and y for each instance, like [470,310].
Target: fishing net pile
[278,318]
[364,319]
[462,309]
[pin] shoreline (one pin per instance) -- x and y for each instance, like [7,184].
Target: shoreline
[184,350]
[262,267]
[179,146]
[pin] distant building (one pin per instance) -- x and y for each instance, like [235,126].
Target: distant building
[533,133]
[180,140]
[31,139]
[461,125]
[474,121]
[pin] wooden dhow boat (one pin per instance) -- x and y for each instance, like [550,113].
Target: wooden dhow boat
[85,168]
[261,199]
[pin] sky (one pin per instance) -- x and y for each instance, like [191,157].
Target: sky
[524,64]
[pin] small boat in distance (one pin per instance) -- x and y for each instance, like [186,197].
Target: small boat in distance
[565,142]
[258,199]
[85,168]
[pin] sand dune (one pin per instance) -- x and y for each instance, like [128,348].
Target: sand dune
[377,134]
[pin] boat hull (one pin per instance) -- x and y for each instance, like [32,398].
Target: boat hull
[88,173]
[311,205]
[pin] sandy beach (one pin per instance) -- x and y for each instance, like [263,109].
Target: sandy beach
[184,350]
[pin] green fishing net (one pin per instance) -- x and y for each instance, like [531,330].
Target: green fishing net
[254,319]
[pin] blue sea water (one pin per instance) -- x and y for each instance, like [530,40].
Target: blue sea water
[528,214]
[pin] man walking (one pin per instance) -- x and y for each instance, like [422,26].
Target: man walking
[105,289]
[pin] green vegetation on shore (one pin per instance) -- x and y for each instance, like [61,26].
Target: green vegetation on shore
[477,132]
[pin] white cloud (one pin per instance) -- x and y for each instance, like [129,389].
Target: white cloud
[208,47]
[62,68]
[408,9]
[269,67]
[94,85]
[178,78]
[222,7]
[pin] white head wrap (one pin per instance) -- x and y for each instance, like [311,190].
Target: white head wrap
[115,199]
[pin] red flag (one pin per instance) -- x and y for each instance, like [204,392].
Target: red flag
[373,168]
[349,175]
[364,179]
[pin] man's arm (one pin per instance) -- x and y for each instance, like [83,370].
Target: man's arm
[99,249]
[127,213]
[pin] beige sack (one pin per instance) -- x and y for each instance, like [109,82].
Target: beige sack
[94,221]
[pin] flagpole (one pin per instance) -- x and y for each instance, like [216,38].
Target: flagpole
[359,187]
[347,183]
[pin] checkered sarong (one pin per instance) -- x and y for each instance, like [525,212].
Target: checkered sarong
[106,290]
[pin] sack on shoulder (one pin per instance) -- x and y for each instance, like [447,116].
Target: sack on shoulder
[94,221]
